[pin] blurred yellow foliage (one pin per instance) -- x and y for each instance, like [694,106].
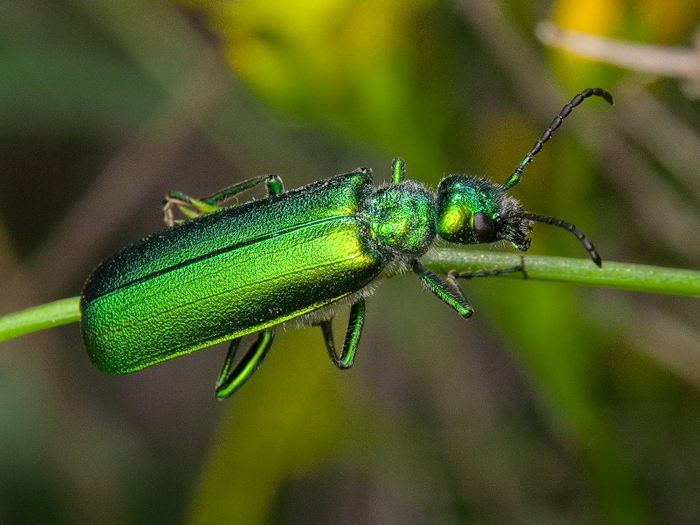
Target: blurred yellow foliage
[323,53]
[601,17]
[669,20]
[339,62]
[651,22]
[655,21]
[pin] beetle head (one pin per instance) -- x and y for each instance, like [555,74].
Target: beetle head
[472,210]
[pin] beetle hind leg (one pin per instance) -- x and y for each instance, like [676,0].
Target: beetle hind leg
[231,380]
[192,208]
[352,336]
[187,205]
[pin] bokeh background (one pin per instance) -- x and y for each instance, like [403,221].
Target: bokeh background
[553,404]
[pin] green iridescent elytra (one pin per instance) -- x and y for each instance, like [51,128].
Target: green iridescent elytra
[229,273]
[244,269]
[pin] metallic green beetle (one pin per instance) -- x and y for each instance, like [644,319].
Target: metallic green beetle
[246,268]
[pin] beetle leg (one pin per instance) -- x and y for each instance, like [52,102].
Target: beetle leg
[398,170]
[187,205]
[453,275]
[448,292]
[274,184]
[192,208]
[230,380]
[352,336]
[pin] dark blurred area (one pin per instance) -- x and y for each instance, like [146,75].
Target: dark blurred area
[553,404]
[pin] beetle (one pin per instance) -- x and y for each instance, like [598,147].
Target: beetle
[244,269]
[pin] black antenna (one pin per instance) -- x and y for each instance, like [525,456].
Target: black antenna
[565,111]
[588,245]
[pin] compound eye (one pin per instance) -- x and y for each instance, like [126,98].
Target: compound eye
[484,227]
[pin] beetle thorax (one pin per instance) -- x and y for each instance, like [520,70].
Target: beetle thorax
[401,219]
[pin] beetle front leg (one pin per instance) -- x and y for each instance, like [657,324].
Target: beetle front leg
[453,275]
[192,208]
[398,170]
[352,336]
[448,292]
[231,380]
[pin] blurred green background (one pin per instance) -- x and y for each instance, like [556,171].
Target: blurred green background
[553,404]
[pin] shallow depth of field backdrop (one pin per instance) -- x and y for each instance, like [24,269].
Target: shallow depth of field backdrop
[553,404]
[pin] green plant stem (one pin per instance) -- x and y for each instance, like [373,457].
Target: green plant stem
[40,317]
[627,276]
[637,277]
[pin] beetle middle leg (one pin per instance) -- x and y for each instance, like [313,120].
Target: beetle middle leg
[352,336]
[192,208]
[230,380]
